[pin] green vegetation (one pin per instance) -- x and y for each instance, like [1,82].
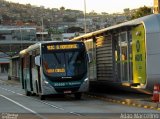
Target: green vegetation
[74,29]
[142,11]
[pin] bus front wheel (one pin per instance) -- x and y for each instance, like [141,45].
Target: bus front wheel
[28,93]
[78,96]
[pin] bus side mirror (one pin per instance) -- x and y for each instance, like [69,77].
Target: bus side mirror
[37,60]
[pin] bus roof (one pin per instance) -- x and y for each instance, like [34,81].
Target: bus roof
[38,44]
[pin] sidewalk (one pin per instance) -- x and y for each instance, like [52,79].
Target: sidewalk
[133,99]
[4,78]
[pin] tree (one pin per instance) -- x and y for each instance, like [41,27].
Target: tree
[93,13]
[5,17]
[62,8]
[104,13]
[74,29]
[142,11]
[69,19]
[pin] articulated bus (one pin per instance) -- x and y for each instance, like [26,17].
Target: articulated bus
[54,68]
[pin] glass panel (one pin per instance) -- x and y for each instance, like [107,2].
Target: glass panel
[91,50]
[130,58]
[59,64]
[124,57]
[117,59]
[53,64]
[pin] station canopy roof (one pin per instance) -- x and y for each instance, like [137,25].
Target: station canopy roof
[118,26]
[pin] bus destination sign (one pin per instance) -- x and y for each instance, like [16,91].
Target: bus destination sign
[62,47]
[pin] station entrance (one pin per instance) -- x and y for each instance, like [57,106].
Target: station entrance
[123,59]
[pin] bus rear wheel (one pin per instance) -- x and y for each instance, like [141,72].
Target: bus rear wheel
[78,96]
[28,93]
[42,97]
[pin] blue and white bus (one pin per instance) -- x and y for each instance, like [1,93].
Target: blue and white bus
[54,68]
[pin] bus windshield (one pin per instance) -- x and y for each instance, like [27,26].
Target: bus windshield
[64,63]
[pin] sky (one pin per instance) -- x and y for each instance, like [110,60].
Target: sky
[108,6]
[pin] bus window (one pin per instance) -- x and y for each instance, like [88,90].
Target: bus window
[64,63]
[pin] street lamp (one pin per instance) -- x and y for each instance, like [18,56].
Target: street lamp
[42,28]
[85,25]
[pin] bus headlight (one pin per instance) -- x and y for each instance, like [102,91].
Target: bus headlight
[46,82]
[85,79]
[84,86]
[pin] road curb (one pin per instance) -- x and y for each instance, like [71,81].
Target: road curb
[124,101]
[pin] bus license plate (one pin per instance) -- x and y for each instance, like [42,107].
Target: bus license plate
[68,91]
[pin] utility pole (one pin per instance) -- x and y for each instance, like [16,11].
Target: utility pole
[42,28]
[85,25]
[21,37]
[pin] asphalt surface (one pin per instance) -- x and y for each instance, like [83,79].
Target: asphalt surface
[123,97]
[92,106]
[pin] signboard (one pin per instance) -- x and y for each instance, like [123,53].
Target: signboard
[56,70]
[64,84]
[61,47]
[139,55]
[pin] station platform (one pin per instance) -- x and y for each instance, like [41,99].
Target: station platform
[128,98]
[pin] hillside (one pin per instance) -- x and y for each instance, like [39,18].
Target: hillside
[19,14]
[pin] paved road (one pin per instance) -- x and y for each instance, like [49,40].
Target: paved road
[13,103]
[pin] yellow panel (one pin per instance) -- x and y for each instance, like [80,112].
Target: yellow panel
[139,55]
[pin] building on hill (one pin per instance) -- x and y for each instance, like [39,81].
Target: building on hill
[4,62]
[12,40]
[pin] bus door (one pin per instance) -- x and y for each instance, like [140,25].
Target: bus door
[39,87]
[30,72]
[139,55]
[22,72]
[122,57]
[39,79]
